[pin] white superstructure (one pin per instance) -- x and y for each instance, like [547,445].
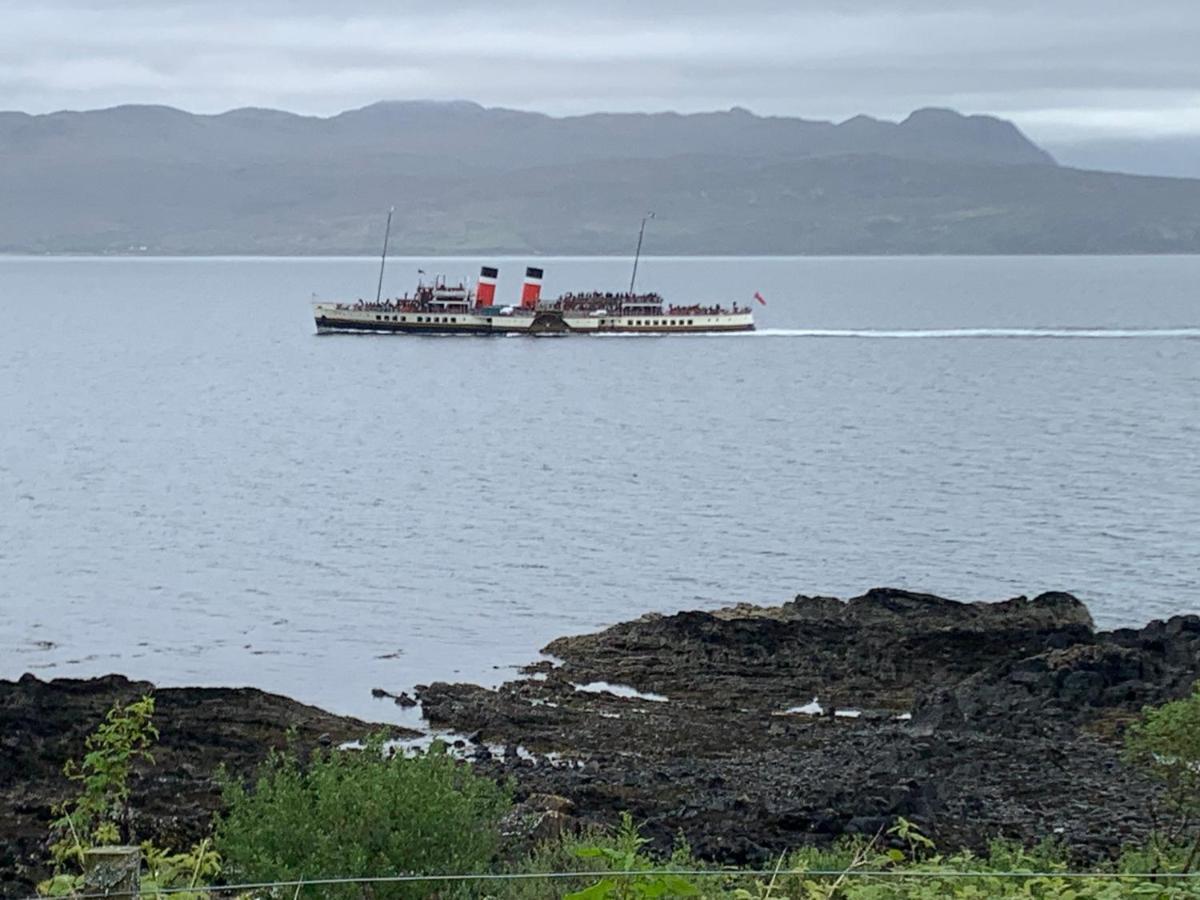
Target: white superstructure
[442,309]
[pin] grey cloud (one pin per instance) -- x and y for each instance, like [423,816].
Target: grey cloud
[1064,68]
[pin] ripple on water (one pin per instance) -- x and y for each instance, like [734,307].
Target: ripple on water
[388,512]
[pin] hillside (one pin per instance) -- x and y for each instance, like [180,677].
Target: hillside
[465,178]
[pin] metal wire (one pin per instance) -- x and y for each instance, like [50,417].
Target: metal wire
[689,873]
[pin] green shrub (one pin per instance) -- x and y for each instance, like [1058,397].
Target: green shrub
[1166,742]
[852,869]
[99,814]
[559,854]
[361,813]
[625,853]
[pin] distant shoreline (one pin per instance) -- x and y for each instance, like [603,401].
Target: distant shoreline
[520,255]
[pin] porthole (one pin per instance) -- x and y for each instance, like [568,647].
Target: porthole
[689,321]
[453,320]
[377,318]
[402,319]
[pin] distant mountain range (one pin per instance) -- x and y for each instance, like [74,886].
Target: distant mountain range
[468,179]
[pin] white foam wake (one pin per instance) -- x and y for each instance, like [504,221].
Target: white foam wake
[1056,333]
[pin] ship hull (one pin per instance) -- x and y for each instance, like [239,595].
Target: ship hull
[331,320]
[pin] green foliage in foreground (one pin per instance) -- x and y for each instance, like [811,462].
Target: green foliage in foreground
[861,870]
[363,813]
[1166,742]
[369,813]
[98,814]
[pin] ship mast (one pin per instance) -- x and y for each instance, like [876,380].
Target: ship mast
[387,233]
[638,253]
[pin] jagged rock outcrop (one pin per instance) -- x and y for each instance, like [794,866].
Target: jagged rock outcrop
[1017,709]
[876,650]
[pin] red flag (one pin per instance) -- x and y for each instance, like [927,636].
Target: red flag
[758,297]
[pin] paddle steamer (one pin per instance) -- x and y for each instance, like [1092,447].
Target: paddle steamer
[440,308]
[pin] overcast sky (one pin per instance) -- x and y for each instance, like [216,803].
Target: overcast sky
[1062,69]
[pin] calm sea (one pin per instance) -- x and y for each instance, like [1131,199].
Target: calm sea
[195,489]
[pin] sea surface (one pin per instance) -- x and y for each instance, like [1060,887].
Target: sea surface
[196,489]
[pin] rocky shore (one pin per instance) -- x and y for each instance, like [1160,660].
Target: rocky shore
[749,730]
[976,720]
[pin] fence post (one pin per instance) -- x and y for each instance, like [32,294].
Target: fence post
[112,871]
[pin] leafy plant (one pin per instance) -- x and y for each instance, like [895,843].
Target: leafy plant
[625,855]
[1166,742]
[165,869]
[99,814]
[361,814]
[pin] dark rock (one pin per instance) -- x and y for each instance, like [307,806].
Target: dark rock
[1008,703]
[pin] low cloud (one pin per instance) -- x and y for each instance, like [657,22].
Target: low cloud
[1066,69]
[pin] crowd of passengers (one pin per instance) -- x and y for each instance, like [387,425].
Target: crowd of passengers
[597,300]
[389,305]
[400,304]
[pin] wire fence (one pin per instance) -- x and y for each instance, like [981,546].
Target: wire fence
[883,874]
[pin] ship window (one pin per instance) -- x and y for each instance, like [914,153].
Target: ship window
[453,319]
[689,321]
[601,323]
[402,319]
[377,318]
